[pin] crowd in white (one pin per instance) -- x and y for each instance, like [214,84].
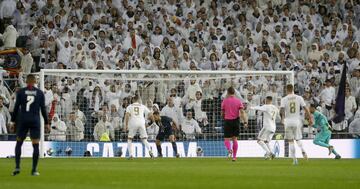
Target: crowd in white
[313,38]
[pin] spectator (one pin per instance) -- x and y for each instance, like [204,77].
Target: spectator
[103,130]
[350,105]
[327,97]
[26,61]
[354,128]
[75,128]
[190,126]
[4,111]
[9,37]
[58,129]
[171,111]
[79,114]
[196,105]
[116,122]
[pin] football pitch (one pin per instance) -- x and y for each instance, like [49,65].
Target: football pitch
[86,173]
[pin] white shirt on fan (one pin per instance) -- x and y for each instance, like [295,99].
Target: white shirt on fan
[270,113]
[328,95]
[292,105]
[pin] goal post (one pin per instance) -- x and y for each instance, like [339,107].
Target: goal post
[101,96]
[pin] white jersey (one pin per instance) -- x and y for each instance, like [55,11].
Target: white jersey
[138,113]
[269,117]
[292,105]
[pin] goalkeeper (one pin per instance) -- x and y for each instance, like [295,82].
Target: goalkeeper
[322,138]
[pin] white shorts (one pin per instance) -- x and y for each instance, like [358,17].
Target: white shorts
[293,130]
[266,135]
[134,128]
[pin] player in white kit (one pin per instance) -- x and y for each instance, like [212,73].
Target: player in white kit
[291,106]
[135,117]
[270,112]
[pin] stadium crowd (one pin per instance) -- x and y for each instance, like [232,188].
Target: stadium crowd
[313,38]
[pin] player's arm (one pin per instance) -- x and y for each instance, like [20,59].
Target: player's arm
[308,115]
[243,117]
[149,114]
[307,111]
[314,125]
[43,112]
[258,108]
[174,124]
[282,110]
[222,110]
[14,113]
[127,116]
[282,115]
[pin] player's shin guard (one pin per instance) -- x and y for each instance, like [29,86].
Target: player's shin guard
[18,153]
[146,144]
[35,157]
[264,146]
[174,147]
[227,144]
[235,148]
[292,150]
[130,148]
[334,152]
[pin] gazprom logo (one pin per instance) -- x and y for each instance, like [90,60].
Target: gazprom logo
[276,148]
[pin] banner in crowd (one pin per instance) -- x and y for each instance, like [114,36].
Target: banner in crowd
[11,61]
[348,148]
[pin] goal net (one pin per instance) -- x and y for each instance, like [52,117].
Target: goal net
[87,108]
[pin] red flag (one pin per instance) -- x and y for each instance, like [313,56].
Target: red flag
[133,42]
[52,110]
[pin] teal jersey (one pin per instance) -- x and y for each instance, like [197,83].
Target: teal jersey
[320,122]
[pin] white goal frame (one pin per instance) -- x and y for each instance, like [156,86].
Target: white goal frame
[43,73]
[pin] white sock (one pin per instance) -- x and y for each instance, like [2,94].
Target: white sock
[263,146]
[268,146]
[292,150]
[299,143]
[146,143]
[130,148]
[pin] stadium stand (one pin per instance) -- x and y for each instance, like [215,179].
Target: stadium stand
[313,38]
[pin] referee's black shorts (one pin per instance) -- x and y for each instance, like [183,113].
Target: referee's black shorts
[231,128]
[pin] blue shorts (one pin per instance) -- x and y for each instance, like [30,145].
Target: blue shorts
[24,128]
[164,134]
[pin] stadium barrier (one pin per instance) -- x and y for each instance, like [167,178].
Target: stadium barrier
[348,148]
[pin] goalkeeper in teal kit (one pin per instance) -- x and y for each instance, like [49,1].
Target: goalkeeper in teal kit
[322,138]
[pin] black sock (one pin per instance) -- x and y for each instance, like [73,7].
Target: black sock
[18,153]
[174,147]
[159,149]
[35,156]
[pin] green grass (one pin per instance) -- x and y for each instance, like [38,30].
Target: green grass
[182,173]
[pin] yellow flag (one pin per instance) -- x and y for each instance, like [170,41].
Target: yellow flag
[105,137]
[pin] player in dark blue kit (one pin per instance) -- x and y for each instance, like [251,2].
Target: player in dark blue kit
[166,125]
[29,101]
